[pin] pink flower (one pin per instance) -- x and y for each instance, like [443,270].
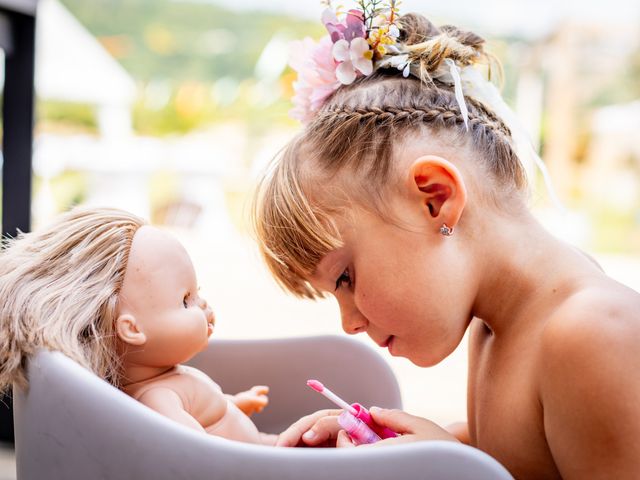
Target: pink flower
[354,58]
[352,27]
[316,80]
[337,59]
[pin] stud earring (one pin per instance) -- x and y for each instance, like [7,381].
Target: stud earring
[446,231]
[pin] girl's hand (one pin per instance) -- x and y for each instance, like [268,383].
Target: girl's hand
[319,429]
[409,427]
[252,401]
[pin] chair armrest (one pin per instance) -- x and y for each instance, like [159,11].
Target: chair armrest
[351,369]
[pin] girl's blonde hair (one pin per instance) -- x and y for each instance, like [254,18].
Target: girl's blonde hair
[356,130]
[59,291]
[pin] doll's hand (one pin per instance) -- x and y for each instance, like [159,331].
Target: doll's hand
[320,429]
[409,427]
[252,401]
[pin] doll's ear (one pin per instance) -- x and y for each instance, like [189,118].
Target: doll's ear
[128,330]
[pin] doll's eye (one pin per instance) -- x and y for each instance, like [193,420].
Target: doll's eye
[344,278]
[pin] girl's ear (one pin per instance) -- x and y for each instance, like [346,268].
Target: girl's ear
[440,188]
[129,331]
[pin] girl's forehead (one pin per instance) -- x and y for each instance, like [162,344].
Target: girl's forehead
[329,268]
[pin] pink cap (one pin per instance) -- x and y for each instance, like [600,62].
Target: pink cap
[364,415]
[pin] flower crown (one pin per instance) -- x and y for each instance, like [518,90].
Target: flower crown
[359,41]
[363,40]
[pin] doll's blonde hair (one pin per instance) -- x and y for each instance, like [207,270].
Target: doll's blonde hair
[59,289]
[356,130]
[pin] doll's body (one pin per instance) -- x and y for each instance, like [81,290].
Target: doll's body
[200,397]
[163,322]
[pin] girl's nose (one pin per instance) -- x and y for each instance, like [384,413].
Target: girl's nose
[352,320]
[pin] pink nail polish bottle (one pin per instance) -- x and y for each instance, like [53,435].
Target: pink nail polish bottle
[358,431]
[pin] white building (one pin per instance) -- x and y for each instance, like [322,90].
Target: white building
[72,66]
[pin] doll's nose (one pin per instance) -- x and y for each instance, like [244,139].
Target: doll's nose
[202,303]
[211,318]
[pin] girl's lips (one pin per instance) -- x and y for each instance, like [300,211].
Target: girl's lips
[386,343]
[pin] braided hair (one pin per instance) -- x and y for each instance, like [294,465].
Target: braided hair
[357,129]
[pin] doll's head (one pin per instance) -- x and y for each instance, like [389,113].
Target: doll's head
[161,319]
[59,290]
[360,196]
[105,289]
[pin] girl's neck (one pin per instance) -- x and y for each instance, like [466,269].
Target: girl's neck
[525,273]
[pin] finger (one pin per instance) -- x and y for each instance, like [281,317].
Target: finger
[260,401]
[324,431]
[292,435]
[260,389]
[397,420]
[344,441]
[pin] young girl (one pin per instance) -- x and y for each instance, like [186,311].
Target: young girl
[120,298]
[405,198]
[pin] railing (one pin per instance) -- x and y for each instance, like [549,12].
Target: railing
[17,40]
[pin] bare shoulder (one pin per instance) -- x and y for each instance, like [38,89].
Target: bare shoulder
[594,321]
[596,328]
[161,397]
[198,376]
[590,381]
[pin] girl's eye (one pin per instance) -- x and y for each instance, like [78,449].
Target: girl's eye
[344,278]
[184,301]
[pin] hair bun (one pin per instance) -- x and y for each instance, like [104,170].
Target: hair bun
[416,28]
[465,37]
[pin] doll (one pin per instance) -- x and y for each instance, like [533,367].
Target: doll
[119,297]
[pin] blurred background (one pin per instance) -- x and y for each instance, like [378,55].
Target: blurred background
[172,108]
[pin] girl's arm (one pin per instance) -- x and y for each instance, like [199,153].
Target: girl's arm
[590,390]
[460,430]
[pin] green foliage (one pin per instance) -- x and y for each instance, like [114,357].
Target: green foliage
[182,40]
[77,115]
[186,47]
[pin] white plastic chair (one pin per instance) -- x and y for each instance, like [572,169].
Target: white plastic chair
[73,425]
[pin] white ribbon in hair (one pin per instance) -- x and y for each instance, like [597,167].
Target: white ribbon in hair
[457,85]
[481,89]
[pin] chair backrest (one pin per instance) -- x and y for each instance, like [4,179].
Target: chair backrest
[70,424]
[348,367]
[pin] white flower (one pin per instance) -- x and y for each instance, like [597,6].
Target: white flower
[401,62]
[354,57]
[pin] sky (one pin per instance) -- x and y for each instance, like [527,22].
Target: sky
[524,17]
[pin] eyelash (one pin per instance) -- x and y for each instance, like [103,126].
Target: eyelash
[345,277]
[184,301]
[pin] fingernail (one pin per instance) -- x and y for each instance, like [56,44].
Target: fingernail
[375,409]
[309,435]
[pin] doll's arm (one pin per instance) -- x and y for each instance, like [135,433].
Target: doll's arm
[168,403]
[251,401]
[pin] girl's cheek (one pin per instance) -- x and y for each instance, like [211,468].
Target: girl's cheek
[373,305]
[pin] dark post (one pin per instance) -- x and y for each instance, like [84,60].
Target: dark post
[17,140]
